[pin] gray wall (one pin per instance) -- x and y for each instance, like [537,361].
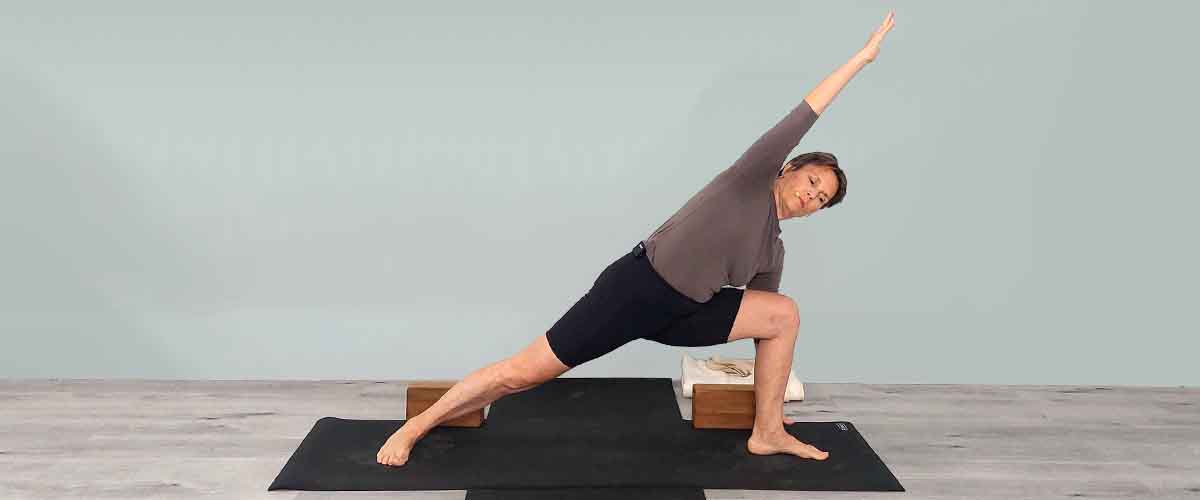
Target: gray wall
[293,191]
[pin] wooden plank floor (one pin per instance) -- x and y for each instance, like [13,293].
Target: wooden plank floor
[228,439]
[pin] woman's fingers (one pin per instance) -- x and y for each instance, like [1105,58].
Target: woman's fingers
[886,24]
[872,47]
[884,28]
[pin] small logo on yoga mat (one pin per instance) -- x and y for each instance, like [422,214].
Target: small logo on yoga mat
[842,426]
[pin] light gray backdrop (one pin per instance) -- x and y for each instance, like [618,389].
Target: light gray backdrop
[310,190]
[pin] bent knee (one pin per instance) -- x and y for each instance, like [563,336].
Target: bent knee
[785,316]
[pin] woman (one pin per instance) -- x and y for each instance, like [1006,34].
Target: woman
[672,287]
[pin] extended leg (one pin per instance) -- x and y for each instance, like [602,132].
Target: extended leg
[528,369]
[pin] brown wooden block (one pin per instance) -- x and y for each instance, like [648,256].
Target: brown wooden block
[723,406]
[422,395]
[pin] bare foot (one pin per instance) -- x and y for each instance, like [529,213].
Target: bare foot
[395,450]
[782,442]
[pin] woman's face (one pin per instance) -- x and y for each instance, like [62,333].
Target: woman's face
[806,189]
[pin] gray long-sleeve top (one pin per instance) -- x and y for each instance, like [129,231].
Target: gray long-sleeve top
[728,233]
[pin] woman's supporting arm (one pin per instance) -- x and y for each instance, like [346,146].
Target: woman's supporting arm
[823,94]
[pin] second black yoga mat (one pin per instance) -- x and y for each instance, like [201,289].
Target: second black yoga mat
[589,494]
[581,433]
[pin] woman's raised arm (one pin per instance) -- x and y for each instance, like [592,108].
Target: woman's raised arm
[823,94]
[762,160]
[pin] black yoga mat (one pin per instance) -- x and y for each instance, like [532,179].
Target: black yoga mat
[583,434]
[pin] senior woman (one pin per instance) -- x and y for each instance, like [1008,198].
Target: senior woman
[676,286]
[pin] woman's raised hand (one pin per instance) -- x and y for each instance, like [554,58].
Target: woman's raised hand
[871,50]
[823,94]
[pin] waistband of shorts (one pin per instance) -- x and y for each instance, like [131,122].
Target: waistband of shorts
[638,253]
[639,250]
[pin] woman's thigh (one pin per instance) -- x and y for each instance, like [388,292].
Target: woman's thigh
[709,324]
[764,315]
[730,315]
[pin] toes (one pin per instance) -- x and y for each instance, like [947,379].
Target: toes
[392,460]
[810,451]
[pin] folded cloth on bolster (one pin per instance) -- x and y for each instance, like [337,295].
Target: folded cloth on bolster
[717,370]
[739,367]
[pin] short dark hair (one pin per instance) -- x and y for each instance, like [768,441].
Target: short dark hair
[824,159]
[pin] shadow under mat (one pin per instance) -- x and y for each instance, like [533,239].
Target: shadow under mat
[589,436]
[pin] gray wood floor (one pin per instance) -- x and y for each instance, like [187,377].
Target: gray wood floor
[228,439]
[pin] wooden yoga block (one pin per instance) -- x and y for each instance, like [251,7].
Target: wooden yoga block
[723,406]
[422,395]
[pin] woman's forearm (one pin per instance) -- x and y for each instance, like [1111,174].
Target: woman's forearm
[823,94]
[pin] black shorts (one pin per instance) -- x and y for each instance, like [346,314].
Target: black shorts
[628,301]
